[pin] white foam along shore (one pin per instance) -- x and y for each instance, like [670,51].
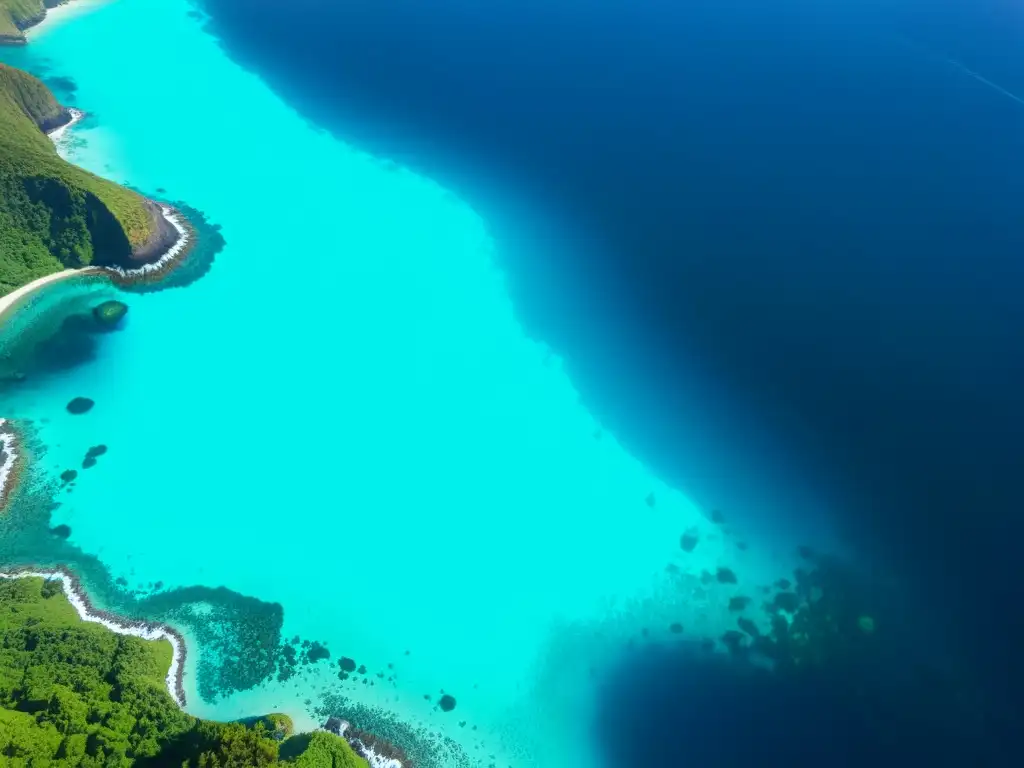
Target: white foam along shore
[171,216]
[57,134]
[67,10]
[9,454]
[150,631]
[375,760]
[147,631]
[153,268]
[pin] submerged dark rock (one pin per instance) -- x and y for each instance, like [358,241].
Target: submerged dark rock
[447,703]
[689,540]
[317,652]
[68,475]
[88,462]
[96,450]
[675,628]
[335,725]
[109,313]
[733,640]
[749,627]
[80,405]
[786,601]
[347,664]
[726,576]
[738,603]
[61,531]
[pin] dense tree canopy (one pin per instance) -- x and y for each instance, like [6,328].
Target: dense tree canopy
[73,693]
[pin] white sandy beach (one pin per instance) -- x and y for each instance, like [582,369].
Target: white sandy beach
[58,134]
[60,14]
[12,298]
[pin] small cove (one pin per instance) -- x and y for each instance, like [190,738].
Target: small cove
[344,418]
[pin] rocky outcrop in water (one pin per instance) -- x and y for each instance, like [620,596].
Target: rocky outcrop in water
[109,313]
[164,237]
[80,405]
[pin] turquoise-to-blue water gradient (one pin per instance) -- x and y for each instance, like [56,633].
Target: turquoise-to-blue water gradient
[345,417]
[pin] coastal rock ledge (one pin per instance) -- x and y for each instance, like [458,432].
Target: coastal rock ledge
[375,751]
[16,17]
[10,462]
[171,241]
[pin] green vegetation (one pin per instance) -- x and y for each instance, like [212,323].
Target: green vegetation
[73,693]
[54,215]
[18,15]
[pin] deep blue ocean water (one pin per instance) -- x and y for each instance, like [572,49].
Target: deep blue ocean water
[808,213]
[775,249]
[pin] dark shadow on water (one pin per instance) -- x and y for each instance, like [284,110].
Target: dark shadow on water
[846,676]
[59,332]
[681,708]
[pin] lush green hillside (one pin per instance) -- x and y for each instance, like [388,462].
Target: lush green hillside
[18,15]
[73,693]
[54,215]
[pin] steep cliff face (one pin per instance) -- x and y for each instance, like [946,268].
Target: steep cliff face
[54,215]
[18,15]
[33,98]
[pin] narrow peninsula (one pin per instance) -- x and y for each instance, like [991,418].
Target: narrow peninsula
[55,216]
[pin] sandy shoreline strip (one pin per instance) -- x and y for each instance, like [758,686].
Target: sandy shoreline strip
[57,15]
[146,630]
[9,301]
[57,134]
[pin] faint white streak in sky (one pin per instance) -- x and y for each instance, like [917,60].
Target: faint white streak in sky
[985,80]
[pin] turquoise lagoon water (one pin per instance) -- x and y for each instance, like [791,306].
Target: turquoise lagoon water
[345,418]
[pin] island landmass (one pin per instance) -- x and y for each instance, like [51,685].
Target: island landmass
[76,693]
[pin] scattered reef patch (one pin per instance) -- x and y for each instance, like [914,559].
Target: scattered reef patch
[109,314]
[417,744]
[240,635]
[843,677]
[76,692]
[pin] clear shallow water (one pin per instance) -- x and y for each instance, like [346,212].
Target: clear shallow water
[345,417]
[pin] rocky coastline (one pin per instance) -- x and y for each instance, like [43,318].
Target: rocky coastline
[169,246]
[10,461]
[56,127]
[88,612]
[51,126]
[27,23]
[377,752]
